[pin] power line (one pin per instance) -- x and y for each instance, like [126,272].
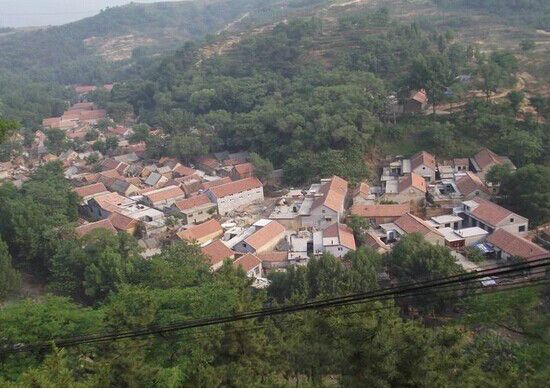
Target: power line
[380,294]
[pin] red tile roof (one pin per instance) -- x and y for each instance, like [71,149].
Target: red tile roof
[421,96]
[485,158]
[343,233]
[244,169]
[265,235]
[166,193]
[183,171]
[515,245]
[273,256]
[211,184]
[247,262]
[380,210]
[333,194]
[90,190]
[489,212]
[412,224]
[362,189]
[192,202]
[423,158]
[217,252]
[412,180]
[200,231]
[470,183]
[234,187]
[122,222]
[87,228]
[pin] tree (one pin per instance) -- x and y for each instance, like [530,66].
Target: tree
[497,173]
[6,128]
[516,99]
[521,146]
[187,147]
[10,279]
[263,168]
[56,141]
[527,192]
[527,45]
[491,78]
[92,267]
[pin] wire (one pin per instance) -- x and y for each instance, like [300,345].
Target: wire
[320,304]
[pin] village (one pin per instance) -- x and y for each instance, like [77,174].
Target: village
[218,203]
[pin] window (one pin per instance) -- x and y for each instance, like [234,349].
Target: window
[521,229]
[511,220]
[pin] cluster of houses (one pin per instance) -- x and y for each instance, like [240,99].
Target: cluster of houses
[460,197]
[219,204]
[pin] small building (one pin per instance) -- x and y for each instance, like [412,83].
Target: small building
[124,223]
[469,185]
[452,240]
[243,170]
[264,239]
[208,164]
[410,224]
[338,240]
[508,245]
[85,229]
[325,203]
[202,233]
[447,221]
[90,191]
[236,194]
[163,197]
[409,188]
[485,159]
[424,164]
[362,194]
[472,235]
[417,102]
[195,209]
[381,213]
[490,216]
[251,264]
[217,253]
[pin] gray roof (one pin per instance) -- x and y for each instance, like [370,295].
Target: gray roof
[153,179]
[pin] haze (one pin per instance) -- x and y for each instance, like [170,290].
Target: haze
[25,13]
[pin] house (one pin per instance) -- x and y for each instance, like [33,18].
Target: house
[325,203]
[121,131]
[459,165]
[191,185]
[447,221]
[410,224]
[101,206]
[338,240]
[264,239]
[211,184]
[362,195]
[472,235]
[243,170]
[417,102]
[182,171]
[445,172]
[195,209]
[112,164]
[424,164]
[508,245]
[90,191]
[208,164]
[381,213]
[119,185]
[202,233]
[163,197]
[89,227]
[485,159]
[236,194]
[469,185]
[375,243]
[124,223]
[251,265]
[485,214]
[410,187]
[274,259]
[217,253]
